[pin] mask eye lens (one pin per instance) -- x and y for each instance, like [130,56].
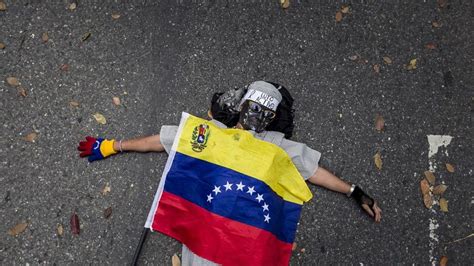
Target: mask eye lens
[269,114]
[255,107]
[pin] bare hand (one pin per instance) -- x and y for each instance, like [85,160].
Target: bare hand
[375,212]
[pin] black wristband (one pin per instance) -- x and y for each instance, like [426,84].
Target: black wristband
[361,198]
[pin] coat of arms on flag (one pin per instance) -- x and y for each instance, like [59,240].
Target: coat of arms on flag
[229,197]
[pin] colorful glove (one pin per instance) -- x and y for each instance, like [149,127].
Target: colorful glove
[96,149]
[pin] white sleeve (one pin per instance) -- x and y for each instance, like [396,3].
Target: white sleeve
[305,159]
[167,134]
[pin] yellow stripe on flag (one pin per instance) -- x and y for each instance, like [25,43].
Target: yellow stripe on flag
[238,150]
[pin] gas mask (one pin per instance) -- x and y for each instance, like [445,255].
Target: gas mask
[230,100]
[254,116]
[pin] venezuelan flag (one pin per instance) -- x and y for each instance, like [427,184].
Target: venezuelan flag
[231,198]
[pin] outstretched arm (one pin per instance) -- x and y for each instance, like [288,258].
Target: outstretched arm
[140,144]
[100,148]
[326,179]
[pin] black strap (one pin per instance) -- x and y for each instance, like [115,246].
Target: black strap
[221,114]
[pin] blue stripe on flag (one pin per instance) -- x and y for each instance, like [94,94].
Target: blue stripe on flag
[197,181]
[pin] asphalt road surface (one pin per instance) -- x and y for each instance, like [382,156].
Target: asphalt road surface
[162,58]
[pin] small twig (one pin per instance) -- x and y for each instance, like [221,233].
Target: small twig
[461,239]
[22,41]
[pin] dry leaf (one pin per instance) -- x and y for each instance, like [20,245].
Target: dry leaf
[74,104]
[18,229]
[442,3]
[115,15]
[107,212]
[430,46]
[387,60]
[443,261]
[12,81]
[22,91]
[116,100]
[64,67]
[412,64]
[85,36]
[425,187]
[338,16]
[285,4]
[443,205]
[100,118]
[75,226]
[430,177]
[353,57]
[31,137]
[175,261]
[439,189]
[293,248]
[450,168]
[378,160]
[45,37]
[379,122]
[106,189]
[2,46]
[428,200]
[60,230]
[3,7]
[345,9]
[376,68]
[435,24]
[72,6]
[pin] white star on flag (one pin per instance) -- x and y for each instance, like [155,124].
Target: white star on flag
[228,186]
[209,197]
[217,189]
[240,186]
[267,218]
[265,207]
[259,197]
[251,190]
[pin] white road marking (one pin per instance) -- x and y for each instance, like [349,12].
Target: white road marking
[435,141]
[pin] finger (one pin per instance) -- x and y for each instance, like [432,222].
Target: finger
[367,209]
[380,213]
[377,208]
[82,143]
[83,148]
[377,216]
[85,153]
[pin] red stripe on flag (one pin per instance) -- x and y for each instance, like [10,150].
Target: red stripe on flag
[217,238]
